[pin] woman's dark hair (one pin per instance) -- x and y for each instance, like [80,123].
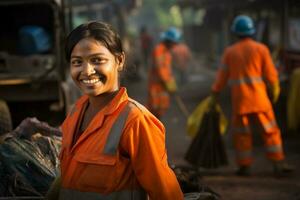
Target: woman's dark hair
[100,31]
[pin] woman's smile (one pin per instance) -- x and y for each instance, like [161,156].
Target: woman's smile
[94,68]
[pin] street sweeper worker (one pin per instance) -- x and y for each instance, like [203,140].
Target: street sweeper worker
[161,82]
[112,146]
[249,70]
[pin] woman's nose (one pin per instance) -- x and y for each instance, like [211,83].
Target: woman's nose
[88,69]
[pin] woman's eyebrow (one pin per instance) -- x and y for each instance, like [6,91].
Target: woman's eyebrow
[91,55]
[95,54]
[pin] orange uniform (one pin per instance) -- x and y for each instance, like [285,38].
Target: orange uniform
[181,59]
[121,154]
[246,65]
[160,73]
[181,56]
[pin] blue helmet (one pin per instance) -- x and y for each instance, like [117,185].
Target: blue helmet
[172,34]
[243,26]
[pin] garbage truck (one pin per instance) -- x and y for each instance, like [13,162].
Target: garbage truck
[32,66]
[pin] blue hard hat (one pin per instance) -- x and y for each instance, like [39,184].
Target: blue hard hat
[172,34]
[243,26]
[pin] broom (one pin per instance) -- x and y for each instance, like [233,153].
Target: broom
[181,105]
[207,148]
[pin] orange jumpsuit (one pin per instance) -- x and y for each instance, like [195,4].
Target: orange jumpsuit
[160,73]
[246,65]
[121,155]
[182,56]
[181,59]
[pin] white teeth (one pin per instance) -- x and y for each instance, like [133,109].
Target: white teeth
[90,81]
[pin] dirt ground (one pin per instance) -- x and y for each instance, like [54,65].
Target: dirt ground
[261,185]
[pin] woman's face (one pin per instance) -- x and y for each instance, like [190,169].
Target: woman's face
[94,68]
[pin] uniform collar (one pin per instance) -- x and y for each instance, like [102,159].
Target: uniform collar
[111,106]
[114,104]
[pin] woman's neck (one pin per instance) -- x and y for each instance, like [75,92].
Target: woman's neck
[97,103]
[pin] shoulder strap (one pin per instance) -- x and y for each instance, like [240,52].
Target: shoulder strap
[116,130]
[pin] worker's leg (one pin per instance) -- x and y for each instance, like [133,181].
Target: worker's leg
[273,142]
[242,137]
[271,135]
[158,100]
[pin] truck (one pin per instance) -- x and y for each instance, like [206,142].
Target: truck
[32,66]
[33,72]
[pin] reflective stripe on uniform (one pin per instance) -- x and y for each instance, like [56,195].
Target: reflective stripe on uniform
[245,80]
[274,149]
[68,194]
[270,125]
[114,136]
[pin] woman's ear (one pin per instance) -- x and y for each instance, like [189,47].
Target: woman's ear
[121,61]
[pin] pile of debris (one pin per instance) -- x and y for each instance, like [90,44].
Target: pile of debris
[29,159]
[189,179]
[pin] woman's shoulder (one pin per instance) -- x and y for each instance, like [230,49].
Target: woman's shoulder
[140,116]
[137,108]
[139,111]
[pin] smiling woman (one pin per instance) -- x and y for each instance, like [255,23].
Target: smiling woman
[94,68]
[113,147]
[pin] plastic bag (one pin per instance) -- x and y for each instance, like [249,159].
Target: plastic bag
[29,159]
[189,179]
[207,148]
[195,119]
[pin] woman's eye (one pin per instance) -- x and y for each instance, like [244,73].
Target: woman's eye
[98,60]
[76,62]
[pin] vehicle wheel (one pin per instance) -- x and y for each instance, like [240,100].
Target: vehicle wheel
[5,118]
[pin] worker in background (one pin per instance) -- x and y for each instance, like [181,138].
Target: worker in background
[182,56]
[161,81]
[245,66]
[112,146]
[146,42]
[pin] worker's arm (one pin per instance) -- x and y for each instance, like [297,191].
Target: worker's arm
[269,70]
[222,75]
[271,74]
[144,140]
[275,91]
[171,86]
[162,62]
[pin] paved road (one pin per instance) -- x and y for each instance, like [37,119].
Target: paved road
[262,185]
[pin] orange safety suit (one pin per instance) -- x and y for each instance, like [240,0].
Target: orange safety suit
[246,65]
[160,73]
[181,59]
[181,56]
[121,155]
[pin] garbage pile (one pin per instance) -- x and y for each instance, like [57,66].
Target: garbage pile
[189,179]
[29,159]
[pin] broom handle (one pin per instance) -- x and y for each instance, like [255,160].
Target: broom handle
[181,105]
